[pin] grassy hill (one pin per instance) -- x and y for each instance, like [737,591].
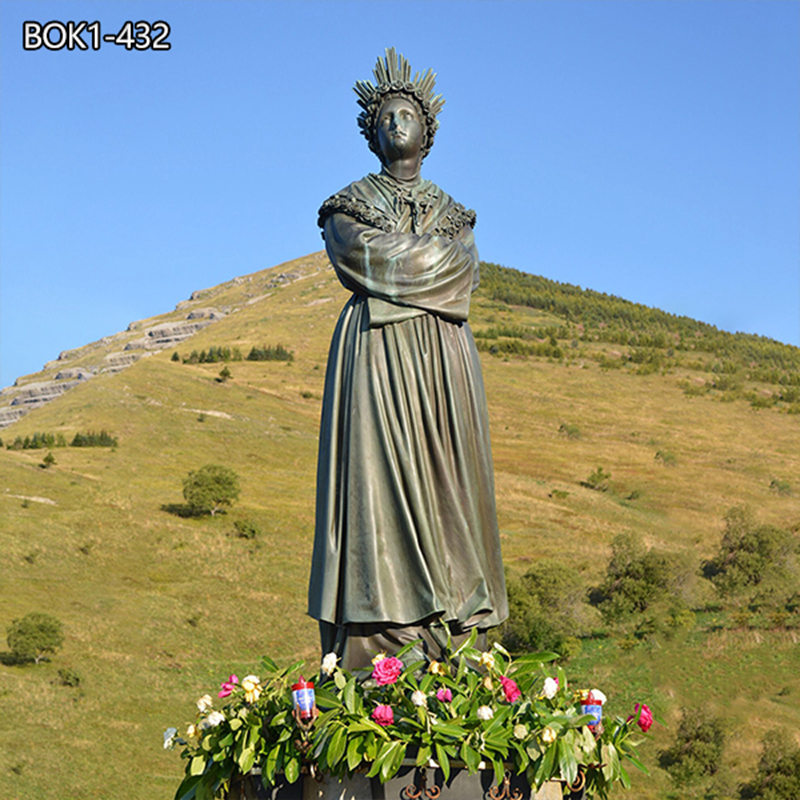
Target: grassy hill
[158,608]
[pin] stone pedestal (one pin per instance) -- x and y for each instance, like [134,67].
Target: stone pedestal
[410,783]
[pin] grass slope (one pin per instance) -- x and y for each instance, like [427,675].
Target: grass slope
[158,608]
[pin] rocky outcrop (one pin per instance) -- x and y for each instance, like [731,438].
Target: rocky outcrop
[39,393]
[160,336]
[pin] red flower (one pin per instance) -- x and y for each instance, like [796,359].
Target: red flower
[510,689]
[644,719]
[444,695]
[383,715]
[387,670]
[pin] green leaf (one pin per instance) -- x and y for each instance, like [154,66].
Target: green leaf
[292,770]
[567,763]
[392,760]
[188,787]
[336,747]
[423,755]
[235,724]
[273,761]
[354,751]
[349,695]
[406,647]
[269,664]
[545,770]
[444,761]
[448,728]
[470,757]
[197,765]
[468,643]
[537,658]
[246,760]
[499,770]
[339,680]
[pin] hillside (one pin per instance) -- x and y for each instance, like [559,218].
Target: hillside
[158,608]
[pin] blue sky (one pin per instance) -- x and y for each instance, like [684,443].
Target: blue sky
[645,149]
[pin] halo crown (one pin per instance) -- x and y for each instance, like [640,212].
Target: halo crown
[393,76]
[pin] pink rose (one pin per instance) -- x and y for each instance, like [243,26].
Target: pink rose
[383,715]
[228,686]
[387,670]
[444,695]
[645,718]
[510,689]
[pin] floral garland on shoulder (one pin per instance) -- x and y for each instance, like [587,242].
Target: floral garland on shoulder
[476,710]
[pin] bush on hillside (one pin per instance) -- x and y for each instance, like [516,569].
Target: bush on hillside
[778,774]
[210,488]
[33,636]
[598,480]
[547,610]
[751,557]
[697,750]
[636,577]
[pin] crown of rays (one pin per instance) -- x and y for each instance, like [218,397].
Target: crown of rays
[393,76]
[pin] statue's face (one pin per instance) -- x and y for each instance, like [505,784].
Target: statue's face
[399,129]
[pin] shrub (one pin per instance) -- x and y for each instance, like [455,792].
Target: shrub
[779,486]
[175,356]
[68,677]
[224,374]
[570,431]
[246,529]
[751,555]
[598,480]
[31,637]
[210,488]
[697,750]
[546,610]
[48,460]
[778,773]
[635,578]
[666,458]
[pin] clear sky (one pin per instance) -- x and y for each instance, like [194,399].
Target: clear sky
[645,149]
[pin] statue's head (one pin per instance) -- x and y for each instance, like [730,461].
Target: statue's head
[395,90]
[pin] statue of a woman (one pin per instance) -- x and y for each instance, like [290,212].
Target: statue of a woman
[406,528]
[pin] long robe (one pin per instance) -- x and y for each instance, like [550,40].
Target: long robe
[406,525]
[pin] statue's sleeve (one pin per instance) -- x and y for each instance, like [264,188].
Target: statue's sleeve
[434,273]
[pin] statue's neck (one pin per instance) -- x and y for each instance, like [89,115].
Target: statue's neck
[405,170]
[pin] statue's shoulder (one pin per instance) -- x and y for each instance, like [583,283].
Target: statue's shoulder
[362,200]
[452,216]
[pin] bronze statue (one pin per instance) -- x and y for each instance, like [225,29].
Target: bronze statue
[406,528]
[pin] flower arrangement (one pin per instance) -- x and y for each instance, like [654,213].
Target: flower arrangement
[476,710]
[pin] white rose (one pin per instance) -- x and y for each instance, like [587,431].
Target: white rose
[204,703]
[418,698]
[520,731]
[329,663]
[548,735]
[550,688]
[213,719]
[484,713]
[599,697]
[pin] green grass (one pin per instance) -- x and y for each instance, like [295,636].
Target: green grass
[157,609]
